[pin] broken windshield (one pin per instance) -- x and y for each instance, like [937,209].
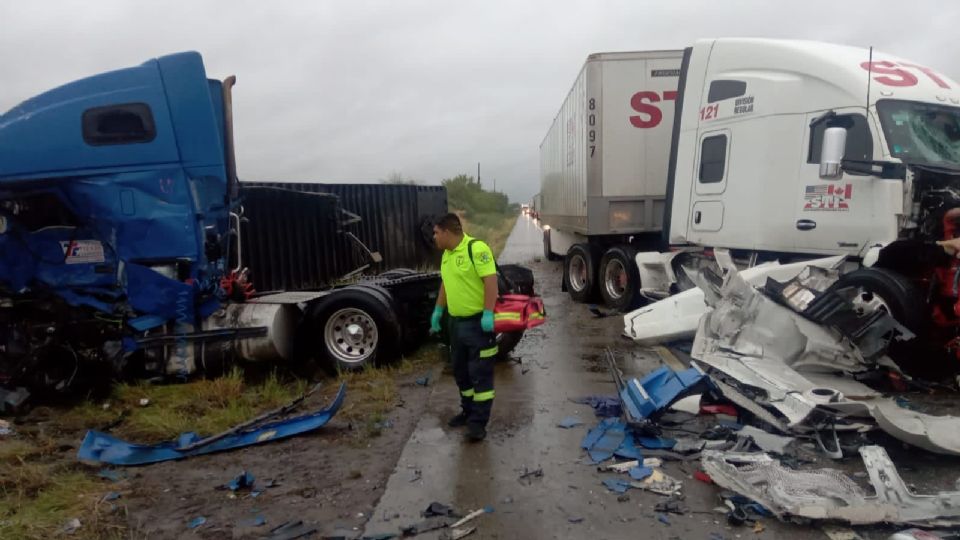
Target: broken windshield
[921,132]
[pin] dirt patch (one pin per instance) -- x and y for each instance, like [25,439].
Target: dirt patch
[330,479]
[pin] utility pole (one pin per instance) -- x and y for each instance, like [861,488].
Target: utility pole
[478,173]
[494,185]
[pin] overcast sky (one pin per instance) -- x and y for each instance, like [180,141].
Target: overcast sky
[353,91]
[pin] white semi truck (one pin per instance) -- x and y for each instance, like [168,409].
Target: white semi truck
[773,149]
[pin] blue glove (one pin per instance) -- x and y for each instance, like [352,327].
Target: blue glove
[486,321]
[435,320]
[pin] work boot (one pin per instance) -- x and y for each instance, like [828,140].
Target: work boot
[459,420]
[476,432]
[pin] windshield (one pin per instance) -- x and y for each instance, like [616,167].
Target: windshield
[921,132]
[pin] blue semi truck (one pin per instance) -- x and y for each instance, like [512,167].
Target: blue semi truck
[121,235]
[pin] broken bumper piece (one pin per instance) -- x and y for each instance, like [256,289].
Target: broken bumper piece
[827,494]
[103,448]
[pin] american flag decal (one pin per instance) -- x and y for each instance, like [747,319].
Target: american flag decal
[828,197]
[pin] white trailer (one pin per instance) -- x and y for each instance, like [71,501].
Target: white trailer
[784,150]
[603,169]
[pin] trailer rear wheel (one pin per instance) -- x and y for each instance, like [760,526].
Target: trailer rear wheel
[580,272]
[619,278]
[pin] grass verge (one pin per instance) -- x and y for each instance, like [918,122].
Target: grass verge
[493,228]
[42,486]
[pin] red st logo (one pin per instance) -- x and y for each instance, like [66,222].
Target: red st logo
[892,74]
[643,103]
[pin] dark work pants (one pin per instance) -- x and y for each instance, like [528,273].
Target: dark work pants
[473,353]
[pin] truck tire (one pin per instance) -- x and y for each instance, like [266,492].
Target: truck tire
[619,278]
[901,298]
[580,273]
[548,254]
[353,330]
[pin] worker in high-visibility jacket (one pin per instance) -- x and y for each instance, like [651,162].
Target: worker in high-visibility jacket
[468,292]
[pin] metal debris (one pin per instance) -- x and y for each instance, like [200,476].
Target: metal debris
[829,494]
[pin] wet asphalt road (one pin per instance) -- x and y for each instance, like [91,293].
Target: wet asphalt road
[558,361]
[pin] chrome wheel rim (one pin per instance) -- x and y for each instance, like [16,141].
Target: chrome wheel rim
[351,336]
[578,272]
[615,279]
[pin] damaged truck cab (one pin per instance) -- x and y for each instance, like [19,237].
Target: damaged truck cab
[875,176]
[120,216]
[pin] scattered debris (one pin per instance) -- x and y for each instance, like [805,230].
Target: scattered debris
[702,477]
[575,520]
[5,428]
[640,473]
[144,402]
[527,476]
[196,522]
[427,525]
[244,480]
[112,475]
[660,483]
[662,518]
[291,530]
[439,509]
[100,447]
[915,534]
[71,526]
[570,422]
[457,534]
[603,406]
[830,494]
[111,496]
[423,381]
[643,399]
[835,532]
[12,400]
[671,506]
[473,515]
[256,521]
[617,485]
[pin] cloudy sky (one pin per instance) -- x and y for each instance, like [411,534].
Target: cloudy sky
[354,91]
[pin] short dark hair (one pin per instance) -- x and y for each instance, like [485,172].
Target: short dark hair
[450,222]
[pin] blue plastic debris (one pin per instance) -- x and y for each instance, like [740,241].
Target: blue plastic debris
[570,422]
[603,406]
[639,473]
[656,443]
[628,448]
[100,447]
[662,518]
[257,521]
[112,475]
[241,481]
[196,522]
[424,381]
[657,390]
[602,441]
[488,509]
[112,496]
[617,485]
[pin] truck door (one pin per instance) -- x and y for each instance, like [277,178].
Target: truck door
[706,211]
[835,216]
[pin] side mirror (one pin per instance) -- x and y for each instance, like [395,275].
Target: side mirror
[831,153]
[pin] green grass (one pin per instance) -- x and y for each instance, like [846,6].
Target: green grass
[39,494]
[492,228]
[42,486]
